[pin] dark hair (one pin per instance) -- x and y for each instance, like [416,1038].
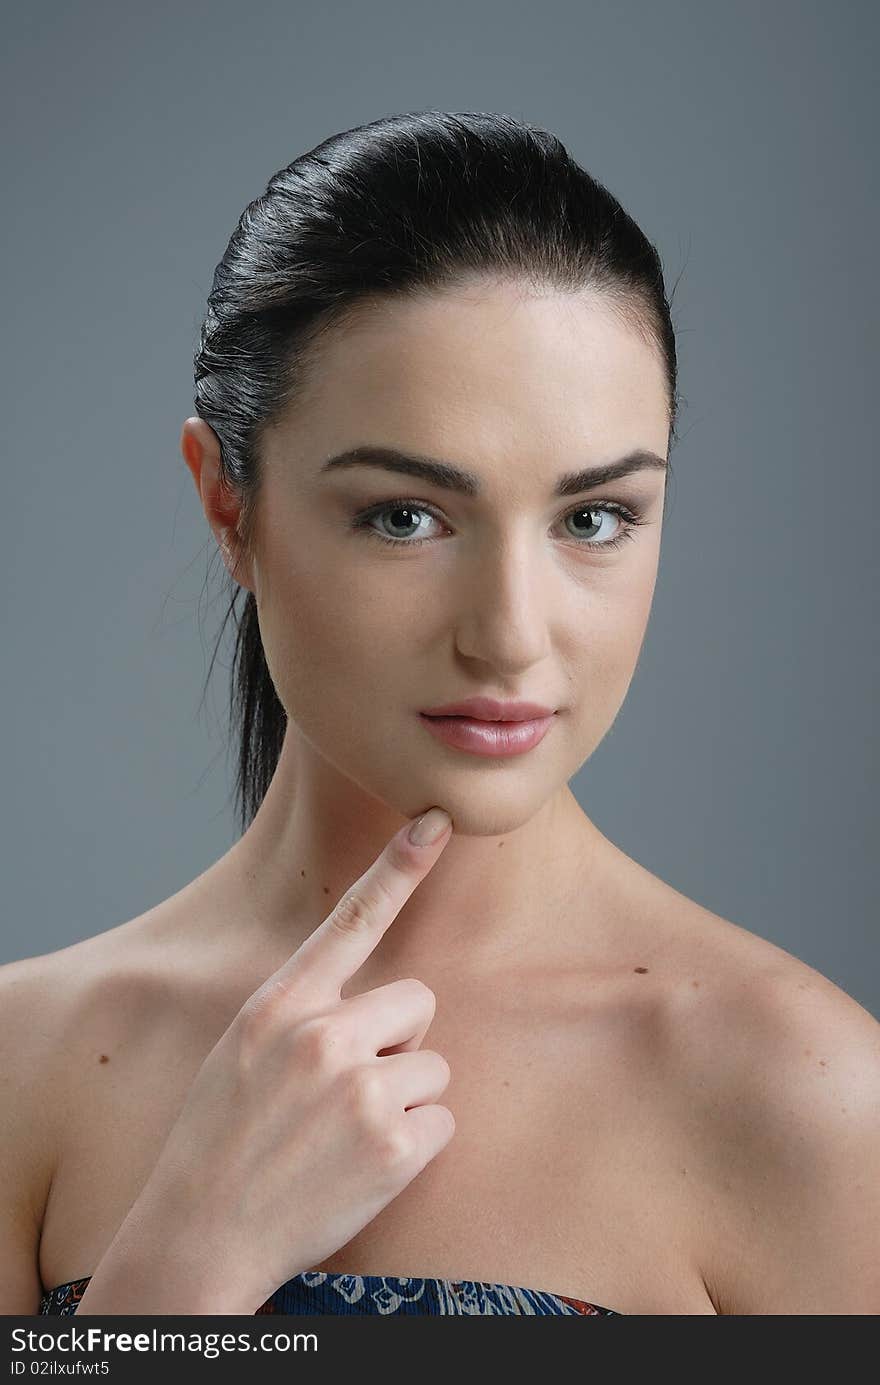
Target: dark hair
[404,204]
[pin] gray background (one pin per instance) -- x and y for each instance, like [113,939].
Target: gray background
[743,766]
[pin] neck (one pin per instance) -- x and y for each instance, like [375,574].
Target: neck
[489,897]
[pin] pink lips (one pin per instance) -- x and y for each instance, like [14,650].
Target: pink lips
[490,709]
[483,736]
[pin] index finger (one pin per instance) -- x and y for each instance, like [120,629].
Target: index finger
[341,944]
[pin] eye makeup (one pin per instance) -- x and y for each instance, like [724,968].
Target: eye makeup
[631,516]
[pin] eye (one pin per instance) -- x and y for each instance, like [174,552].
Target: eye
[589,519]
[403,515]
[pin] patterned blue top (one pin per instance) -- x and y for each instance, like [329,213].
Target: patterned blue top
[314,1293]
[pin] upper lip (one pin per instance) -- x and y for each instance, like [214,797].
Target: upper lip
[490,709]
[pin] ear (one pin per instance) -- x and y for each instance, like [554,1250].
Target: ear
[200,447]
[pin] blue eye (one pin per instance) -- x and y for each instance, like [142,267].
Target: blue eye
[404,510]
[402,513]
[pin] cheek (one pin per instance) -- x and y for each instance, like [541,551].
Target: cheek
[323,642]
[606,639]
[626,621]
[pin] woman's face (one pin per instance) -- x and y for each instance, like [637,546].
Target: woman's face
[516,592]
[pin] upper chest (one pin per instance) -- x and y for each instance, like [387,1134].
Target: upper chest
[566,1171]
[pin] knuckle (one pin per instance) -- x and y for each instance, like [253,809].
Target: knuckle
[388,898]
[422,991]
[365,1087]
[317,1041]
[395,1148]
[440,1061]
[259,1016]
[352,914]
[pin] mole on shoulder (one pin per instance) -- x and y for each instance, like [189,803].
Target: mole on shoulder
[326,889]
[103,1058]
[641,969]
[303,874]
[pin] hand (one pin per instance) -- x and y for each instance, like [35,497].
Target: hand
[312,1112]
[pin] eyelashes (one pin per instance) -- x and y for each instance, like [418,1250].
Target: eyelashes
[631,518]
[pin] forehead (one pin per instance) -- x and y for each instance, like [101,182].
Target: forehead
[475,369]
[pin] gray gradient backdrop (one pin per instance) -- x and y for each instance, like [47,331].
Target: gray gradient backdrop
[742,768]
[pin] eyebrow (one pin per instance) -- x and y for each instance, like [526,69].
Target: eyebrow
[453,478]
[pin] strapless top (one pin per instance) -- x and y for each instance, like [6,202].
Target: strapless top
[313,1292]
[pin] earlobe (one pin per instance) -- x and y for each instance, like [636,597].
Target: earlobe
[230,547]
[243,575]
[224,526]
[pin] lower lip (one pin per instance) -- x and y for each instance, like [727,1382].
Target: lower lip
[489,737]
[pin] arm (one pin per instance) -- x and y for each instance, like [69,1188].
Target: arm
[793,1224]
[25,1130]
[141,1272]
[144,1272]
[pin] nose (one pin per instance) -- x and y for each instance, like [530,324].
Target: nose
[504,604]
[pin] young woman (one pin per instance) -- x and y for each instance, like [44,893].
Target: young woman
[510,1071]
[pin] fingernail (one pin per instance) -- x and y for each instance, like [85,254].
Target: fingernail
[429,827]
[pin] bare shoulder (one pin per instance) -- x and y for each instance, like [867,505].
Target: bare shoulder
[61,1013]
[780,1073]
[47,998]
[40,997]
[30,1000]
[34,996]
[59,1008]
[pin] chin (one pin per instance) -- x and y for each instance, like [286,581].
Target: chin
[471,818]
